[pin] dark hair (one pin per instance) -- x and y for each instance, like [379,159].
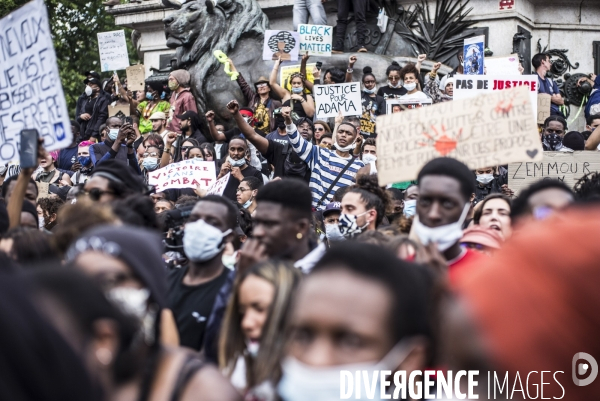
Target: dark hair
[303,120]
[393,67]
[373,196]
[30,246]
[324,124]
[153,140]
[207,146]
[574,140]
[408,69]
[232,210]
[339,194]
[245,223]
[555,118]
[536,61]
[160,150]
[453,168]
[292,194]
[368,71]
[354,120]
[590,119]
[193,141]
[586,134]
[50,205]
[369,142]
[136,210]
[520,206]
[337,75]
[8,180]
[253,182]
[479,210]
[409,286]
[395,194]
[186,200]
[325,135]
[76,125]
[414,185]
[241,138]
[587,188]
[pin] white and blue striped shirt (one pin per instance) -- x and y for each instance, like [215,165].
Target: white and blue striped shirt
[325,166]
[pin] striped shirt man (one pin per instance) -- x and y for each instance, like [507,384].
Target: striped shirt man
[325,166]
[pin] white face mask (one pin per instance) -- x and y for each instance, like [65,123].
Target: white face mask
[410,207]
[113,133]
[201,241]
[41,222]
[410,87]
[345,148]
[443,236]
[301,382]
[229,260]
[236,163]
[132,301]
[88,91]
[485,178]
[368,158]
[333,233]
[396,85]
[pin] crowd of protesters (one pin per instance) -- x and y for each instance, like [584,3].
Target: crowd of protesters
[304,266]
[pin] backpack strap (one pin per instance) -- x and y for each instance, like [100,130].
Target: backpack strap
[320,202]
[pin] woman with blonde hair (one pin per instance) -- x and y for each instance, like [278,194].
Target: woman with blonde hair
[252,336]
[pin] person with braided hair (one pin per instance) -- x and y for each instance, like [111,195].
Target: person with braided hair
[302,105]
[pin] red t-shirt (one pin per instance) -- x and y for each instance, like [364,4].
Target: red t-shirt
[463,264]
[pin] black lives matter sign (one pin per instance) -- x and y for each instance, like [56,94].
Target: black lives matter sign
[31,95]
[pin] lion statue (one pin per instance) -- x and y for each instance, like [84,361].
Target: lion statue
[236,27]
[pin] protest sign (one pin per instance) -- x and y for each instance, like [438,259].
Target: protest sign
[330,99]
[488,130]
[473,60]
[315,40]
[31,95]
[136,76]
[185,174]
[567,167]
[466,87]
[543,107]
[113,51]
[219,186]
[283,45]
[508,65]
[114,110]
[397,105]
[286,70]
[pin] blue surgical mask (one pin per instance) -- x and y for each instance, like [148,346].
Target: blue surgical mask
[149,96]
[332,232]
[84,160]
[370,91]
[113,133]
[247,204]
[297,91]
[236,163]
[202,242]
[410,207]
[163,95]
[150,163]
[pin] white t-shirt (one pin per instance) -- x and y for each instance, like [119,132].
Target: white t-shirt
[418,95]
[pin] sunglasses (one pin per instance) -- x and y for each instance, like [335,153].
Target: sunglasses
[319,129]
[394,78]
[153,154]
[263,85]
[186,148]
[96,193]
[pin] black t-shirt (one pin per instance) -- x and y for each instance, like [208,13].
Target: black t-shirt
[89,105]
[234,183]
[276,155]
[391,93]
[297,110]
[192,305]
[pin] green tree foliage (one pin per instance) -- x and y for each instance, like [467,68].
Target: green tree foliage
[74,25]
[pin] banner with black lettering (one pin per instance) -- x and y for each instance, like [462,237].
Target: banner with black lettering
[331,99]
[31,95]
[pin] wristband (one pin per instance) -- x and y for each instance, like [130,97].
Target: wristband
[350,70]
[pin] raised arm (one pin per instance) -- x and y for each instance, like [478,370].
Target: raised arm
[351,62]
[305,150]
[246,89]
[275,87]
[307,84]
[165,159]
[210,118]
[593,141]
[15,202]
[262,144]
[420,59]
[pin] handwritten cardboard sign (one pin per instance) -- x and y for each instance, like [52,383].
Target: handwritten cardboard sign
[315,39]
[567,167]
[466,87]
[114,110]
[31,95]
[185,174]
[283,45]
[136,77]
[488,130]
[543,107]
[508,65]
[330,99]
[113,51]
[219,186]
[473,57]
[287,70]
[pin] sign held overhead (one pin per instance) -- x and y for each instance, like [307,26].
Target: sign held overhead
[113,51]
[331,99]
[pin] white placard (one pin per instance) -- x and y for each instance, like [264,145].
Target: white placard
[185,174]
[219,186]
[466,87]
[330,99]
[113,51]
[31,95]
[508,65]
[315,40]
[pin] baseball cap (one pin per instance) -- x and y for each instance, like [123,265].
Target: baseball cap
[186,116]
[332,207]
[95,81]
[94,74]
[159,115]
[246,111]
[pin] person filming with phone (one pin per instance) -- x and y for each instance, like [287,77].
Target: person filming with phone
[118,145]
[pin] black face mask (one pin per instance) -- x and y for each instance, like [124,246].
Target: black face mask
[393,217]
[553,141]
[280,122]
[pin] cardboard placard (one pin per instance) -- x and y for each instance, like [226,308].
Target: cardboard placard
[330,99]
[488,130]
[466,87]
[117,108]
[113,51]
[543,107]
[185,174]
[473,58]
[286,70]
[567,167]
[315,39]
[397,105]
[31,94]
[281,44]
[219,186]
[508,65]
[136,78]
